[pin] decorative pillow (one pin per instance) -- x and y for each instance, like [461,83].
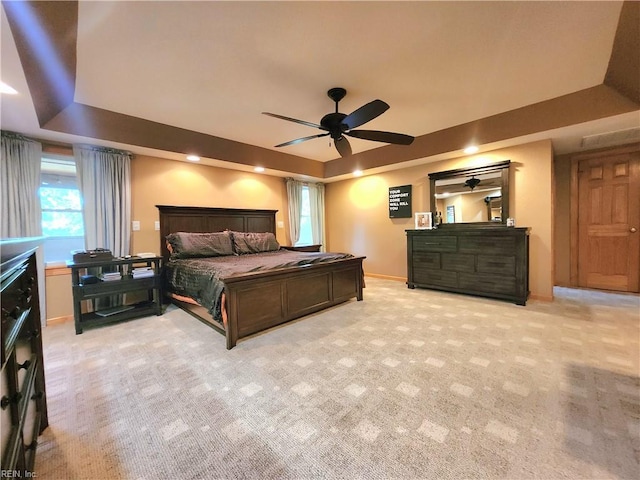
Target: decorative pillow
[188,244]
[251,242]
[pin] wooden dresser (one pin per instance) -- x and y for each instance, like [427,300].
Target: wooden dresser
[23,413]
[490,261]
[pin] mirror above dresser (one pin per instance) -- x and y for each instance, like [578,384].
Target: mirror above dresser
[477,195]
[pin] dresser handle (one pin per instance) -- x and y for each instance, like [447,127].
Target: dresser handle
[32,446]
[24,365]
[31,334]
[6,400]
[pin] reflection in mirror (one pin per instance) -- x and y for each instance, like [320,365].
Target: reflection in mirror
[477,198]
[471,195]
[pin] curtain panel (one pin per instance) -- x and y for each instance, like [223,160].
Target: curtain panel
[104,177]
[20,181]
[294,197]
[316,202]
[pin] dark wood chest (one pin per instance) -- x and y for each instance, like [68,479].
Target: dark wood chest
[488,261]
[23,415]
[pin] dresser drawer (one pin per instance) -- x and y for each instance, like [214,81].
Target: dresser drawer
[485,283]
[434,243]
[6,426]
[16,298]
[25,357]
[426,260]
[488,244]
[458,262]
[31,429]
[502,265]
[439,278]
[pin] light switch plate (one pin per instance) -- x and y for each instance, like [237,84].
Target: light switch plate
[157,225]
[280,224]
[135,225]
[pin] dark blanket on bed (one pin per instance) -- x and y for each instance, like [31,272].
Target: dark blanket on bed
[201,278]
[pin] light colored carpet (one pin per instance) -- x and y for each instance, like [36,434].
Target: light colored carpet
[408,384]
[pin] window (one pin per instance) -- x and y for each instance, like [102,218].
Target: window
[306,237]
[61,205]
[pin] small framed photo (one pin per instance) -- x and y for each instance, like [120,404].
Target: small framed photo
[423,220]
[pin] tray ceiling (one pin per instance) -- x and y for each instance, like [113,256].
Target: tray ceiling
[213,67]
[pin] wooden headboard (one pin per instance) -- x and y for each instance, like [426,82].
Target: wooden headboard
[205,219]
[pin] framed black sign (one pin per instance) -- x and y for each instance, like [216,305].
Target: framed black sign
[400,202]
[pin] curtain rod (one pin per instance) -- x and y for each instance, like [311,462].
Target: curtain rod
[96,148]
[17,136]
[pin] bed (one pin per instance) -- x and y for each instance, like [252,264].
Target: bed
[294,285]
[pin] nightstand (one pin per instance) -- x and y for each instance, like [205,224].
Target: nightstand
[115,277]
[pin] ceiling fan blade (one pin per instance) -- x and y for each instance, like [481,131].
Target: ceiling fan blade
[343,146]
[303,139]
[365,113]
[302,122]
[378,136]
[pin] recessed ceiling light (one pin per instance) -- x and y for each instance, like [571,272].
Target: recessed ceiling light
[4,88]
[193,158]
[470,149]
[258,169]
[357,173]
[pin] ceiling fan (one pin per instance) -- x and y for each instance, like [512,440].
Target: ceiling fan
[337,125]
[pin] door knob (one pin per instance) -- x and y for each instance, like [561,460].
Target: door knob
[633,229]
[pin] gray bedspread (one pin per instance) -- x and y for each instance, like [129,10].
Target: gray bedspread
[201,278]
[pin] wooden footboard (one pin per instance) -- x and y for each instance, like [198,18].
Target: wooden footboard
[256,302]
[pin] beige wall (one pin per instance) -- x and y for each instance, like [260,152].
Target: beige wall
[157,181]
[357,210]
[358,217]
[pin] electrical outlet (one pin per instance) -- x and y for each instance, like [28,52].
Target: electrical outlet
[280,224]
[135,225]
[157,225]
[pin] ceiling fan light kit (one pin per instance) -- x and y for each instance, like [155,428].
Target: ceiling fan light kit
[472,182]
[337,125]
